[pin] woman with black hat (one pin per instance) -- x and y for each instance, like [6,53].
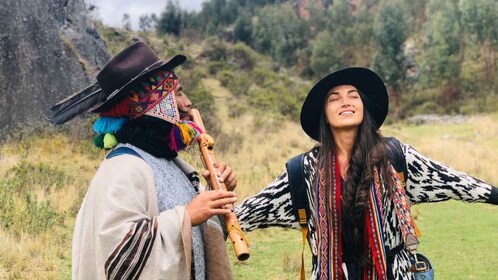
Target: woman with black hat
[143,216]
[359,224]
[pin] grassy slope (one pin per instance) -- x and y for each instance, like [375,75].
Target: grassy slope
[461,239]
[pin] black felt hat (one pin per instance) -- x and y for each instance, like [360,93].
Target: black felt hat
[374,96]
[113,81]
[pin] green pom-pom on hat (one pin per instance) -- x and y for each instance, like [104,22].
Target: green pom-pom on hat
[99,141]
[110,141]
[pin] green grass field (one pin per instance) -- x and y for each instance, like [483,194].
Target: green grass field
[44,176]
[460,239]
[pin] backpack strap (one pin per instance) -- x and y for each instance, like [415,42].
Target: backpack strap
[295,173]
[122,151]
[295,169]
[396,156]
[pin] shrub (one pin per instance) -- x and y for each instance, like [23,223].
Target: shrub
[237,84]
[243,56]
[216,66]
[263,99]
[214,49]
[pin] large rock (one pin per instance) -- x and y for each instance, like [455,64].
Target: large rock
[48,49]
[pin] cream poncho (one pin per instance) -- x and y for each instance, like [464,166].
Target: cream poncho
[120,233]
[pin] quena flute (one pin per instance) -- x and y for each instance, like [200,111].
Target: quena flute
[206,144]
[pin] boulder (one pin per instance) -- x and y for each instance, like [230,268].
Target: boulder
[48,50]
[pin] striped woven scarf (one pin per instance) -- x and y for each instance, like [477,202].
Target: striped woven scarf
[329,226]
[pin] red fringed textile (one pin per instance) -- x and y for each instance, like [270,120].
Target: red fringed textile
[329,231]
[121,109]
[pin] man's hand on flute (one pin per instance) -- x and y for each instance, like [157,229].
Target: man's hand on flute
[225,175]
[210,203]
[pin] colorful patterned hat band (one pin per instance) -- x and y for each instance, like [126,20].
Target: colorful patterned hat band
[154,97]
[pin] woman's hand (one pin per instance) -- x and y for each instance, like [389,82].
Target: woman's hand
[225,175]
[209,203]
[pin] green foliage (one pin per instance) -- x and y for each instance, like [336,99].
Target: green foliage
[263,77]
[346,41]
[279,32]
[214,49]
[243,56]
[323,60]
[27,175]
[213,67]
[442,60]
[201,98]
[262,99]
[242,29]
[237,84]
[479,20]
[216,14]
[390,33]
[170,21]
[446,46]
[20,209]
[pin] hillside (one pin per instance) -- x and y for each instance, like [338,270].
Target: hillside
[44,176]
[250,100]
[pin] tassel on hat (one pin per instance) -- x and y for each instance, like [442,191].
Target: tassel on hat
[105,141]
[183,134]
[105,127]
[108,124]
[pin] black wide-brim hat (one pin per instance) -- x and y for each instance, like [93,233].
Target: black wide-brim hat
[113,82]
[373,93]
[125,68]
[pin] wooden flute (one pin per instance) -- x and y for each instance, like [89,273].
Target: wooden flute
[206,143]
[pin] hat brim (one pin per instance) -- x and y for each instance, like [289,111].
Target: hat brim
[375,97]
[113,98]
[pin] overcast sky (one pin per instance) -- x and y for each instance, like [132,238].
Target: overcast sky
[111,11]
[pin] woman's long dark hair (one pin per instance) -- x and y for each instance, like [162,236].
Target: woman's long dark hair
[369,151]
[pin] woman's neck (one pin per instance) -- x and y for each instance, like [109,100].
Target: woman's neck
[344,141]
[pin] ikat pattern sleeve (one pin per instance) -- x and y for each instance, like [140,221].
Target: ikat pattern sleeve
[271,207]
[431,181]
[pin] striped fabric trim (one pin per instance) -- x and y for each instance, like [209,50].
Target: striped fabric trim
[129,258]
[374,225]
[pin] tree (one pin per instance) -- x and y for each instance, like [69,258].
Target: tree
[389,61]
[147,22]
[243,28]
[442,55]
[217,14]
[170,20]
[479,19]
[126,22]
[323,59]
[363,37]
[278,31]
[347,39]
[341,28]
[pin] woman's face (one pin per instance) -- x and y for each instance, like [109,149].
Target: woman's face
[343,108]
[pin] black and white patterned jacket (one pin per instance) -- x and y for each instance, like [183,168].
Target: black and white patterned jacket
[427,181]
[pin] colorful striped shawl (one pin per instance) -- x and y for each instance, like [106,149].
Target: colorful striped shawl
[329,226]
